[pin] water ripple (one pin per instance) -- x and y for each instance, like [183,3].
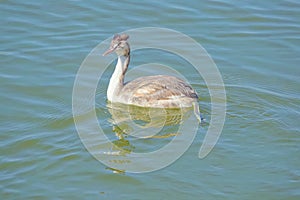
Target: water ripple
[255,46]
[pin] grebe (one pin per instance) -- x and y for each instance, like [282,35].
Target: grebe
[158,91]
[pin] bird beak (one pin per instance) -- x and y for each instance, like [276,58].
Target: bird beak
[110,50]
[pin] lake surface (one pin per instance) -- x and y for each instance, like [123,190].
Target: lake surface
[256,46]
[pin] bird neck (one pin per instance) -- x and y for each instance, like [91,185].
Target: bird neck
[116,82]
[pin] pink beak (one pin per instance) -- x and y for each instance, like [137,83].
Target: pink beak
[110,50]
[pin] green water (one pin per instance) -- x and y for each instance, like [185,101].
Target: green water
[256,46]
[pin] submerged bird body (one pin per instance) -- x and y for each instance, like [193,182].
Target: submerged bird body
[158,91]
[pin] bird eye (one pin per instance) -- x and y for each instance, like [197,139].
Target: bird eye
[115,45]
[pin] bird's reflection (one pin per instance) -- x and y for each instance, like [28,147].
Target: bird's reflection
[141,122]
[132,123]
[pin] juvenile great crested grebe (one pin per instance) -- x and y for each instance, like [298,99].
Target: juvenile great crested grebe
[158,91]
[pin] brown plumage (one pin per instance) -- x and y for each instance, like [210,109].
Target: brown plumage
[159,91]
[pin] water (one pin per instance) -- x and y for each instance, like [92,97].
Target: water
[256,48]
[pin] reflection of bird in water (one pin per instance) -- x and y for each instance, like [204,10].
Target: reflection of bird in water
[146,117]
[150,91]
[141,122]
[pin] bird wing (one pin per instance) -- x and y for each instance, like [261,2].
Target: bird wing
[151,88]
